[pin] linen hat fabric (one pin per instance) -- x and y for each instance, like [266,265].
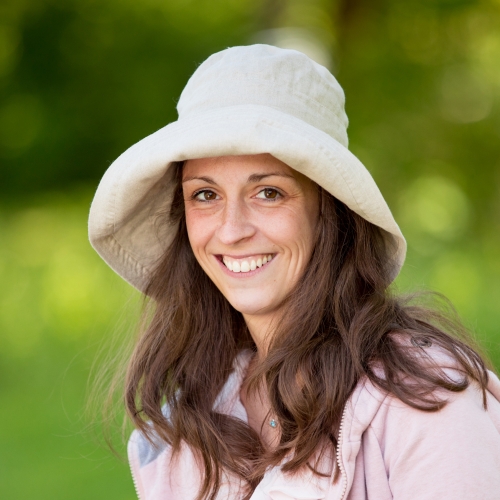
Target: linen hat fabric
[240,101]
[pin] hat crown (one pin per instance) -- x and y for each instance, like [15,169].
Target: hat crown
[264,75]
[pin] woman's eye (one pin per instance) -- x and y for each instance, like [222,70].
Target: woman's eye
[268,194]
[205,195]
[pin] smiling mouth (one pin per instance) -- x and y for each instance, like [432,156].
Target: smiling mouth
[246,264]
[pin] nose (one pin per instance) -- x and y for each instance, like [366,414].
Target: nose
[235,224]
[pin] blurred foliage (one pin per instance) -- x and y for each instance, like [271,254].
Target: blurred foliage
[81,80]
[58,303]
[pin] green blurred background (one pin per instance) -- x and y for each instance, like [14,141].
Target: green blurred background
[81,80]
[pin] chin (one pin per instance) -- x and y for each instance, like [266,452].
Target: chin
[252,307]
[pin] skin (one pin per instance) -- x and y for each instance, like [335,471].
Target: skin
[243,207]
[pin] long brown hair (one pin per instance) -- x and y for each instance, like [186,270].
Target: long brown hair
[340,324]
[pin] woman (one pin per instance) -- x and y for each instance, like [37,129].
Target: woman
[275,363]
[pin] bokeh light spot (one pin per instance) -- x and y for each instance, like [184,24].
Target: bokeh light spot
[434,206]
[464,98]
[456,275]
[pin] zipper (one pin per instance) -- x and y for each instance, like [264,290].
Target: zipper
[134,480]
[339,457]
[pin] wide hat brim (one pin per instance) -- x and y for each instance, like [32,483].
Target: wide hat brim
[123,222]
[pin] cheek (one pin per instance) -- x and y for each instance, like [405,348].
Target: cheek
[294,231]
[199,231]
[302,226]
[305,235]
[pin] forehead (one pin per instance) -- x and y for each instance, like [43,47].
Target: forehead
[244,165]
[263,162]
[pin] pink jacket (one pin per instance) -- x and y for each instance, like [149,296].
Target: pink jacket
[386,451]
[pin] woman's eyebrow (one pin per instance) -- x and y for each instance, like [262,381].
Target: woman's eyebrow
[208,180]
[251,178]
[259,177]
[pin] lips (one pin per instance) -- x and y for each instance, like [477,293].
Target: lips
[246,264]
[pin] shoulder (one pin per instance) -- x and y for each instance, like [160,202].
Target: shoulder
[460,408]
[148,450]
[158,473]
[462,411]
[372,399]
[452,453]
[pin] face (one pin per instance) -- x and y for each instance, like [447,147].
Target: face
[251,223]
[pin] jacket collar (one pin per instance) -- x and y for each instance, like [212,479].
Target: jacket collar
[358,413]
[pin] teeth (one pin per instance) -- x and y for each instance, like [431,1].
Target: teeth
[245,266]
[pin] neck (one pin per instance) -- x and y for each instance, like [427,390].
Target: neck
[261,329]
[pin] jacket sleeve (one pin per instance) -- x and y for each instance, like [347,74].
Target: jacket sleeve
[452,454]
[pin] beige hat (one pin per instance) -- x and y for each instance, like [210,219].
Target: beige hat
[242,100]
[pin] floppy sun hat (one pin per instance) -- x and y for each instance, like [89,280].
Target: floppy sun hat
[240,101]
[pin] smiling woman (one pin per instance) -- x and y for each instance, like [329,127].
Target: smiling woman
[249,219]
[275,363]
